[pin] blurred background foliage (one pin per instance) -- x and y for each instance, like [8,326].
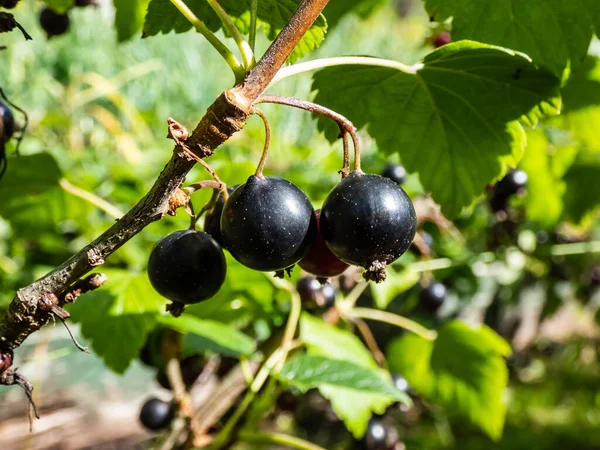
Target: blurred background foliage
[96,142]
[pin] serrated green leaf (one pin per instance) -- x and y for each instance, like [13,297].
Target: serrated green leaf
[31,197]
[163,17]
[129,17]
[354,408]
[544,190]
[454,121]
[335,10]
[582,179]
[60,6]
[208,335]
[307,372]
[554,33]
[395,284]
[116,318]
[463,369]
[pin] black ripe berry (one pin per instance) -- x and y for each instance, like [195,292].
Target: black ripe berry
[268,224]
[8,4]
[187,267]
[432,296]
[400,383]
[53,23]
[319,260]
[368,221]
[380,436]
[156,414]
[514,182]
[84,3]
[212,222]
[394,172]
[308,288]
[328,296]
[7,120]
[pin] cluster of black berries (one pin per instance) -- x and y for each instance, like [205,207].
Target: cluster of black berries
[55,23]
[513,183]
[268,224]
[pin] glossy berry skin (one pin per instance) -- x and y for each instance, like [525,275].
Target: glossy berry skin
[400,383]
[212,222]
[156,414]
[309,289]
[514,182]
[379,436]
[268,224]
[319,260]
[441,39]
[368,221]
[432,296]
[328,296]
[187,267]
[53,23]
[394,172]
[8,121]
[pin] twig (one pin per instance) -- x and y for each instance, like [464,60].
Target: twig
[77,344]
[392,319]
[265,153]
[11,377]
[369,339]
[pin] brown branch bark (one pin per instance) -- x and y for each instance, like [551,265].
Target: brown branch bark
[226,116]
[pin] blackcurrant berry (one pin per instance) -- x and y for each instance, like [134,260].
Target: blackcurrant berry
[432,296]
[368,221]
[212,222]
[268,224]
[308,288]
[441,39]
[6,359]
[53,23]
[379,436]
[187,267]
[156,414]
[8,4]
[319,260]
[84,3]
[328,295]
[400,383]
[514,182]
[394,172]
[8,122]
[287,402]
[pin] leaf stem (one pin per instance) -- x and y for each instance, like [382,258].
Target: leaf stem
[393,319]
[253,23]
[280,439]
[322,63]
[245,49]
[199,25]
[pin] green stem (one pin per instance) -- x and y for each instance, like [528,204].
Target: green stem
[393,319]
[317,64]
[575,248]
[227,55]
[245,49]
[272,365]
[280,439]
[253,20]
[102,204]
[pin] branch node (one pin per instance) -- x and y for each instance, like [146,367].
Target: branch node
[94,258]
[178,199]
[177,132]
[47,301]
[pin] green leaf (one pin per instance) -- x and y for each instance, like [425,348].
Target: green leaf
[307,372]
[31,198]
[129,17]
[334,11]
[353,407]
[554,33]
[395,284]
[60,6]
[117,317]
[273,15]
[463,369]
[208,335]
[581,181]
[544,190]
[454,120]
